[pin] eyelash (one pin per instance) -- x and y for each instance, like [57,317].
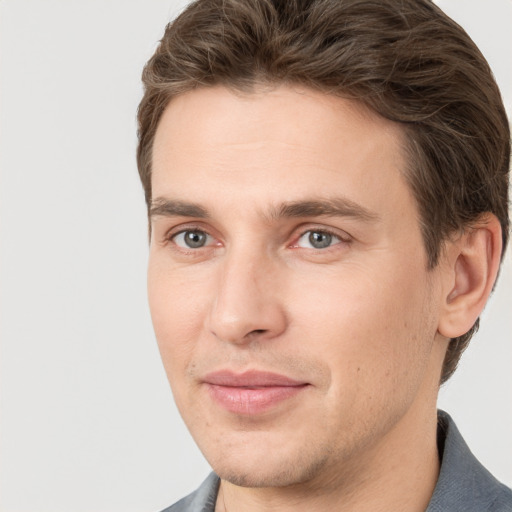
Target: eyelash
[343,238]
[171,235]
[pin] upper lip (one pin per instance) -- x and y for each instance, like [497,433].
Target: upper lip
[250,378]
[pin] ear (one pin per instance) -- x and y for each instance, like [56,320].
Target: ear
[473,262]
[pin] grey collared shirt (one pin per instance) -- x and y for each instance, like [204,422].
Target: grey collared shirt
[464,485]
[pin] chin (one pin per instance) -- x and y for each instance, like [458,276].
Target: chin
[269,468]
[277,477]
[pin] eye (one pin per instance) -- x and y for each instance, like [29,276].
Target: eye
[317,240]
[192,239]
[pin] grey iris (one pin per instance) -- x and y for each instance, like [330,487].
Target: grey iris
[320,240]
[195,239]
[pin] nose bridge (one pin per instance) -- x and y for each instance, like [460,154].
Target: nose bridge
[246,302]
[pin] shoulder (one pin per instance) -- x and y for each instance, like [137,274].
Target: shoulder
[464,484]
[201,500]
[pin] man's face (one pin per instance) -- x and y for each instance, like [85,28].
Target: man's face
[288,283]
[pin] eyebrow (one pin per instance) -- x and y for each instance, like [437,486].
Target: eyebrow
[334,207]
[173,208]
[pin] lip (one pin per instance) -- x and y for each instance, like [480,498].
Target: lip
[251,392]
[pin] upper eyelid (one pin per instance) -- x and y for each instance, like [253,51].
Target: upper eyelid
[193,226]
[338,233]
[344,241]
[165,235]
[293,236]
[324,231]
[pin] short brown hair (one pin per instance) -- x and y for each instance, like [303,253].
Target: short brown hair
[406,60]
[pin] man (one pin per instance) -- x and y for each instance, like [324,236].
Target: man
[326,184]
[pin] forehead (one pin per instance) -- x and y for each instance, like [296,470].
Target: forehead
[217,114]
[275,146]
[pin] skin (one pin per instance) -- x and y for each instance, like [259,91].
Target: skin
[360,321]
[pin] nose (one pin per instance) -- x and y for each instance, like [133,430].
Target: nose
[247,304]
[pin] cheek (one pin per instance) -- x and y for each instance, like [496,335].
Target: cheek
[373,330]
[177,305]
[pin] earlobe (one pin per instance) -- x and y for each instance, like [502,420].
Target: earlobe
[473,261]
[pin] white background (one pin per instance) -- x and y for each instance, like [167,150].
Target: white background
[87,419]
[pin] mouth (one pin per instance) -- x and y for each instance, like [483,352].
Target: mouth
[252,392]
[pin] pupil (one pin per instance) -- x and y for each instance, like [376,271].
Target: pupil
[195,239]
[320,240]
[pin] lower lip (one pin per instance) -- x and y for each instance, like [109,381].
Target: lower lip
[249,401]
